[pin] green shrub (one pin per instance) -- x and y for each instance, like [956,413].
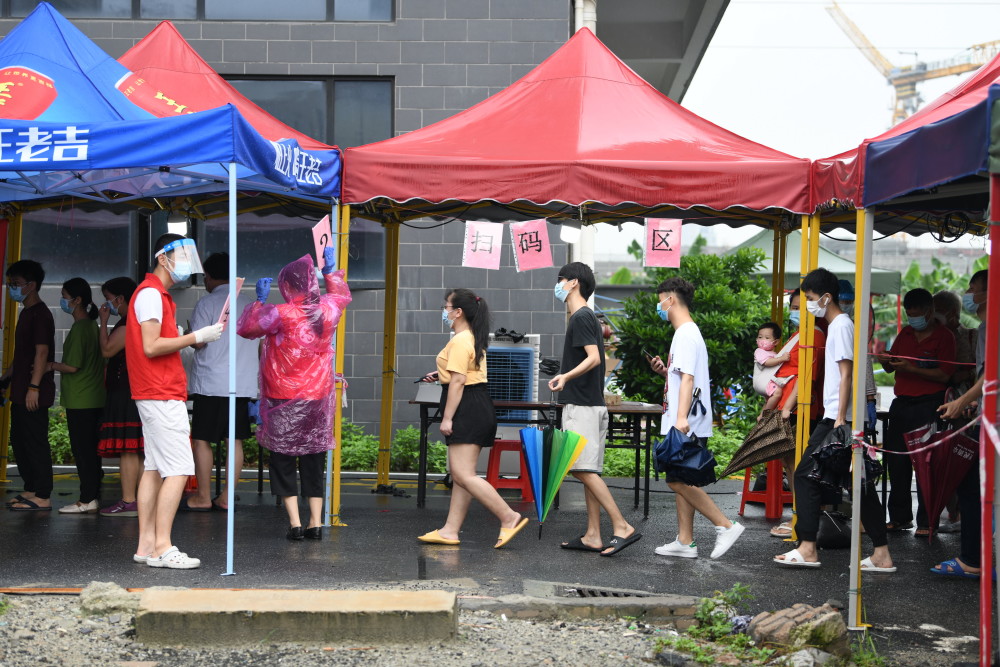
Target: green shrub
[406,452]
[62,454]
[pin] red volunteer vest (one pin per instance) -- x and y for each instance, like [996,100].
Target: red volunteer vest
[158,378]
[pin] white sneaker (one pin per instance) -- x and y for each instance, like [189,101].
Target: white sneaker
[173,559]
[678,549]
[951,527]
[725,538]
[80,508]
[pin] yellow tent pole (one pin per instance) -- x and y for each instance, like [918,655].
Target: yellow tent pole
[388,349]
[343,246]
[864,223]
[809,256]
[777,279]
[9,322]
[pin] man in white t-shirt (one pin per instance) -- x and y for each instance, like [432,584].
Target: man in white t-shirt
[209,387]
[821,291]
[688,408]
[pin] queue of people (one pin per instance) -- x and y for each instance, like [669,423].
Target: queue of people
[133,405]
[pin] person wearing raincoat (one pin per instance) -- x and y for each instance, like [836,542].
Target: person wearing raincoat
[297,381]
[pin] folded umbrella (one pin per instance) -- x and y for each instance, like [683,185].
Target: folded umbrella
[549,453]
[941,468]
[770,438]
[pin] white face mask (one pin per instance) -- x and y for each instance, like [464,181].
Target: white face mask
[815,309]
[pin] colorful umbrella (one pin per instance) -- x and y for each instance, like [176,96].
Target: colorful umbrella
[940,469]
[550,453]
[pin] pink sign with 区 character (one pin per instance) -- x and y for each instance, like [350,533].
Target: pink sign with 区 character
[663,243]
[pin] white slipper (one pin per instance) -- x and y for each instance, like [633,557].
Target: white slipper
[868,566]
[794,559]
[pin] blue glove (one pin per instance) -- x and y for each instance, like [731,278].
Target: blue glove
[263,289]
[329,260]
[872,415]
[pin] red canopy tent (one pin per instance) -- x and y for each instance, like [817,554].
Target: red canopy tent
[170,78]
[580,129]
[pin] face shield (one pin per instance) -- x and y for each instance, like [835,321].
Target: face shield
[182,259]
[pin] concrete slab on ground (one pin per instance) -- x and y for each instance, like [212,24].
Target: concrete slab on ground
[212,617]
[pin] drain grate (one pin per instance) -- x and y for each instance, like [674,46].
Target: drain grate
[591,592]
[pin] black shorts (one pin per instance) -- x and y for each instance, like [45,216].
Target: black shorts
[475,420]
[210,418]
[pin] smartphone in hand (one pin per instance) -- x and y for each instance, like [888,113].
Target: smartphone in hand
[646,353]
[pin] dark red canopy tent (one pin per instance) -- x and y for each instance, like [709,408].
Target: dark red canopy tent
[581,129]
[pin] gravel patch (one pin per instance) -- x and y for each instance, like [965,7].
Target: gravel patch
[52,630]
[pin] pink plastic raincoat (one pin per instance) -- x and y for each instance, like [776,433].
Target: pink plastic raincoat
[296,364]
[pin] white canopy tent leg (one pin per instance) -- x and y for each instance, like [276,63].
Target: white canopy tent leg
[232,474]
[862,290]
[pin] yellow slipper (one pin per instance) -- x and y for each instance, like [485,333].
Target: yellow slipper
[507,534]
[435,537]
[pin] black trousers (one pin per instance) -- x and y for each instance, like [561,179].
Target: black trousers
[84,426]
[971,510]
[310,469]
[809,494]
[29,438]
[906,414]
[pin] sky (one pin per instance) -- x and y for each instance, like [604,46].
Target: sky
[782,73]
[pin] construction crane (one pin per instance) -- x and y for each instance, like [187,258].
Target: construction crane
[904,80]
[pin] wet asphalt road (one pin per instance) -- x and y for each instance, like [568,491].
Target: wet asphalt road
[911,610]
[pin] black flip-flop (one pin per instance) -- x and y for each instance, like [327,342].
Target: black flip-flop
[15,500]
[184,507]
[620,543]
[578,545]
[31,507]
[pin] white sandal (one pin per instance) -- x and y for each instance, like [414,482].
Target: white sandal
[794,559]
[175,560]
[782,530]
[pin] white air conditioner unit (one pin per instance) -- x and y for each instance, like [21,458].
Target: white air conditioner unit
[513,375]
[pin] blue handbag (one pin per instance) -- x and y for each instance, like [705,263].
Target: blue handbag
[683,456]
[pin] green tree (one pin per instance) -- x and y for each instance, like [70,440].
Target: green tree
[729,305]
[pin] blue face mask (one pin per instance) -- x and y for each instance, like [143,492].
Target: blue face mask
[662,314]
[111,307]
[66,308]
[969,303]
[918,323]
[444,316]
[16,294]
[559,292]
[793,317]
[181,271]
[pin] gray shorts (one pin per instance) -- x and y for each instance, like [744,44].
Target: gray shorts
[590,421]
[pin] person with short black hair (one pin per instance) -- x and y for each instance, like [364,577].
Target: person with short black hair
[581,385]
[210,388]
[688,408]
[159,387]
[764,358]
[82,391]
[32,388]
[921,357]
[821,290]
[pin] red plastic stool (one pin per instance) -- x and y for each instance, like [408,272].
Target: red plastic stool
[774,497]
[493,469]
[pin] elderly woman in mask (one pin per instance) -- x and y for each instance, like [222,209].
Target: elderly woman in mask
[297,381]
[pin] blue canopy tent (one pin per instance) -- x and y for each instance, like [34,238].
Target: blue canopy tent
[66,131]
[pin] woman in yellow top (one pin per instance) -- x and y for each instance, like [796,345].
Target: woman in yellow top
[468,421]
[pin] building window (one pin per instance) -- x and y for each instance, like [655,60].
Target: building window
[215,10]
[345,112]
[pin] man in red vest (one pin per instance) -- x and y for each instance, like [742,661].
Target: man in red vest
[159,388]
